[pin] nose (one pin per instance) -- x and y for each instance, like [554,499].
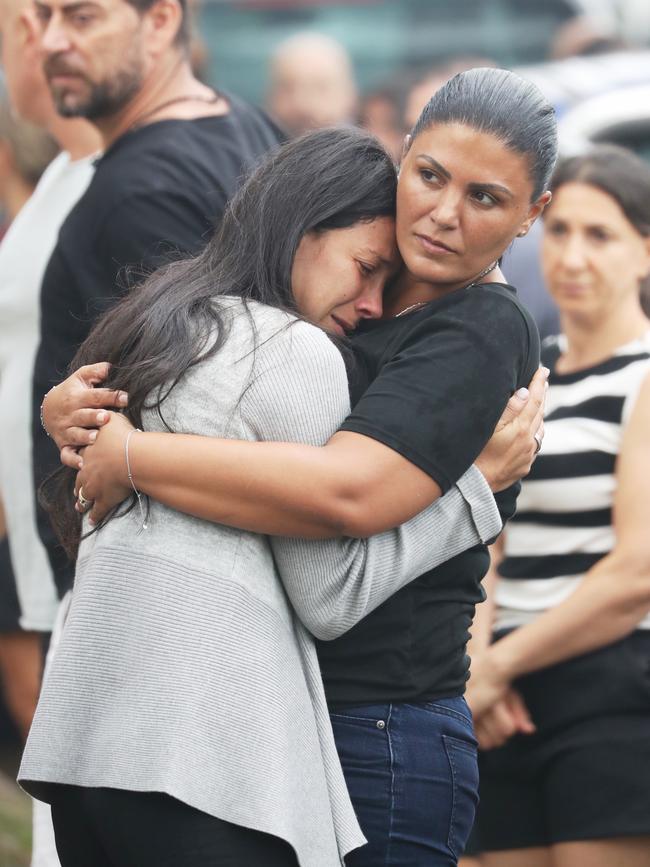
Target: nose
[446,208]
[54,38]
[573,253]
[370,303]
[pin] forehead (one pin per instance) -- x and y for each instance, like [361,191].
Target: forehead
[310,56]
[376,235]
[586,203]
[472,155]
[9,12]
[109,6]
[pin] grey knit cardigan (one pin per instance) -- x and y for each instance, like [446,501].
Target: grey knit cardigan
[187,664]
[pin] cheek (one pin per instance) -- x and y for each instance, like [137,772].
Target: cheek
[344,286]
[408,198]
[631,257]
[494,233]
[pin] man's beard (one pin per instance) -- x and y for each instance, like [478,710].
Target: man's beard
[102,99]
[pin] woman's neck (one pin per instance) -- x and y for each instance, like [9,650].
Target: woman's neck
[407,291]
[591,340]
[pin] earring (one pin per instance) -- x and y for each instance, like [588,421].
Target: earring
[523,233]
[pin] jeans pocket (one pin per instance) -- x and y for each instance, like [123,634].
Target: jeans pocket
[462,757]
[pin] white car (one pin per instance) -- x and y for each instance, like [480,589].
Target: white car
[604,98]
[620,117]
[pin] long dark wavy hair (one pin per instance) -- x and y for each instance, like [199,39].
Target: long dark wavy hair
[330,179]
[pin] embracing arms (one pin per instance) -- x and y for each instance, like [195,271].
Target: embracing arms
[353,486]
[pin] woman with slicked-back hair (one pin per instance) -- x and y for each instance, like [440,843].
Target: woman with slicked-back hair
[430,382]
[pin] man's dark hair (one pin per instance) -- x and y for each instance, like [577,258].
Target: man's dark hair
[330,179]
[184,31]
[505,105]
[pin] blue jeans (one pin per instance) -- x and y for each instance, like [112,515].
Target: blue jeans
[412,774]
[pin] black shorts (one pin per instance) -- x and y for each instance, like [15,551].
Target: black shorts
[585,773]
[9,605]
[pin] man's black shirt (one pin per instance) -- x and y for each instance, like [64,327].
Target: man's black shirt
[158,191]
[431,385]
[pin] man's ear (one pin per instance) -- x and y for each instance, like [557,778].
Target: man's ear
[28,30]
[164,20]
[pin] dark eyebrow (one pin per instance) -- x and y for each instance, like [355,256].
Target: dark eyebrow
[474,186]
[490,188]
[436,165]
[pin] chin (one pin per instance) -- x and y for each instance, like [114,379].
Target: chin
[426,273]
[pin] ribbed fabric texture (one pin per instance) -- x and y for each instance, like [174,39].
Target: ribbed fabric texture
[182,667]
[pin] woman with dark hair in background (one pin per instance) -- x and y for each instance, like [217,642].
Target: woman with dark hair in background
[571,605]
[454,347]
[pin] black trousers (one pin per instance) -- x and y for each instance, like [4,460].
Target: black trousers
[115,828]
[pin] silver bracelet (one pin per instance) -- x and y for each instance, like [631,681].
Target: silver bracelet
[137,493]
[41,411]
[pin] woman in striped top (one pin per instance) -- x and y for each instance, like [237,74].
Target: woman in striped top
[562,698]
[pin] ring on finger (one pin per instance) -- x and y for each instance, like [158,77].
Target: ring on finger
[538,440]
[83,502]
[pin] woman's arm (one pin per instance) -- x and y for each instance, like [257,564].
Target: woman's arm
[334,583]
[417,428]
[611,599]
[354,486]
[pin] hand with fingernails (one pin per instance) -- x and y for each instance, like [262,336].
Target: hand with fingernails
[74,411]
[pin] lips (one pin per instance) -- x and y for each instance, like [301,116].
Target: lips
[345,327]
[433,245]
[573,288]
[54,68]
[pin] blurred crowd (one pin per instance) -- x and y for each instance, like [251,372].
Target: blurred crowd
[47,153]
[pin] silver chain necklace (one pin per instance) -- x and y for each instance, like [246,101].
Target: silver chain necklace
[478,277]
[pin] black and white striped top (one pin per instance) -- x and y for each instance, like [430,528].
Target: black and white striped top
[563,524]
